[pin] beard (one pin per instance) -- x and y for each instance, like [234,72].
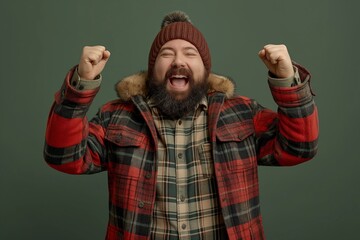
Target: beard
[168,104]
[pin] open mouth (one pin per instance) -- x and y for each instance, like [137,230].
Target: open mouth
[178,81]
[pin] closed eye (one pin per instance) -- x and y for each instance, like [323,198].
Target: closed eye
[190,51]
[165,52]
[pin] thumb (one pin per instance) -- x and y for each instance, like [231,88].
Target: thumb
[106,55]
[262,53]
[262,56]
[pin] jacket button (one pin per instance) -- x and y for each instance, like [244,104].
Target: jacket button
[118,138]
[148,176]
[141,204]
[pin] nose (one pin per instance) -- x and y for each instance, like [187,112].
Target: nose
[178,61]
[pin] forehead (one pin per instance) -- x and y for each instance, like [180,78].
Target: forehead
[178,44]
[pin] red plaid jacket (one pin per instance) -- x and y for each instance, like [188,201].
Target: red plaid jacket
[122,140]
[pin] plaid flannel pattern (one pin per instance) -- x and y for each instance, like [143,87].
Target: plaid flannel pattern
[123,140]
[186,205]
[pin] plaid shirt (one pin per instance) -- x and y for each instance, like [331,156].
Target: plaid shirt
[186,205]
[123,140]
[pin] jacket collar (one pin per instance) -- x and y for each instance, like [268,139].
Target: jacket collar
[135,84]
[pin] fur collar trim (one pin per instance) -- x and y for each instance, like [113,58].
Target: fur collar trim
[136,85]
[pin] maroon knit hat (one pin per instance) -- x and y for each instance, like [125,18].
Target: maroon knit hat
[177,25]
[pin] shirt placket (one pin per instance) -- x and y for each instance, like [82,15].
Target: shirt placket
[181,177]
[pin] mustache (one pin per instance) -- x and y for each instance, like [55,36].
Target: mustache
[179,71]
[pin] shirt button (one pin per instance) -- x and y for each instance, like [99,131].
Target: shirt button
[182,198]
[183,226]
[148,176]
[180,122]
[180,155]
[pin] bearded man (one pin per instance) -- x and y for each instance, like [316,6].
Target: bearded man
[180,148]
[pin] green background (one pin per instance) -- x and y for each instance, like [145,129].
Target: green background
[41,40]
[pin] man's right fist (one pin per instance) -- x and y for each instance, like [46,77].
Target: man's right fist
[92,62]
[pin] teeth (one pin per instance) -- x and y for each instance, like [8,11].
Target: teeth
[178,76]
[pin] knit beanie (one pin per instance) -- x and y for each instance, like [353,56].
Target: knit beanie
[177,25]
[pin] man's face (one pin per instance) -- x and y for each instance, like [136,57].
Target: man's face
[179,79]
[179,67]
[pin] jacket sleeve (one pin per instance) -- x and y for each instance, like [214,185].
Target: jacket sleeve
[290,136]
[72,144]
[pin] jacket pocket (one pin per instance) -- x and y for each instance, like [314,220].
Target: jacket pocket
[124,136]
[235,132]
[235,145]
[206,160]
[126,151]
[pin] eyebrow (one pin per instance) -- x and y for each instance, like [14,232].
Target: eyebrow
[191,48]
[184,48]
[166,48]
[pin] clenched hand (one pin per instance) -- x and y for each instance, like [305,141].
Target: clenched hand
[92,61]
[277,60]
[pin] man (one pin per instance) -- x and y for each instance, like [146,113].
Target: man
[181,150]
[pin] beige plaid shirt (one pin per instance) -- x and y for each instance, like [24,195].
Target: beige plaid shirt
[186,205]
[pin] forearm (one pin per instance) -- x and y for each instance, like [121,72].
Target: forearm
[298,122]
[294,129]
[67,132]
